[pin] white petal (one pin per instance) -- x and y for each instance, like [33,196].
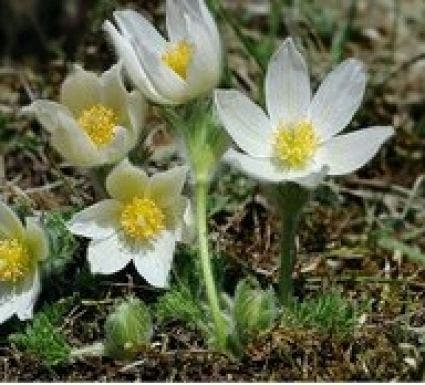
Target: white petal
[165,80]
[140,30]
[187,233]
[176,25]
[338,98]
[245,122]
[74,144]
[27,296]
[114,94]
[165,187]
[123,141]
[46,113]
[288,91]
[109,255]
[10,225]
[80,90]
[7,301]
[98,221]
[346,153]
[136,110]
[264,170]
[205,66]
[198,9]
[19,298]
[36,239]
[126,181]
[155,264]
[132,64]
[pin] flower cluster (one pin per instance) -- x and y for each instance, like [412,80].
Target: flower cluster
[100,123]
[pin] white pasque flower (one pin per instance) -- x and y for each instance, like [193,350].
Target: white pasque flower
[298,139]
[96,122]
[174,71]
[21,250]
[141,223]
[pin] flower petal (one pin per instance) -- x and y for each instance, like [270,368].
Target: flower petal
[137,109]
[155,263]
[122,142]
[199,10]
[205,66]
[46,113]
[98,221]
[10,225]
[288,91]
[126,181]
[338,98]
[245,122]
[175,22]
[27,295]
[114,94]
[165,187]
[132,65]
[265,171]
[346,153]
[140,30]
[19,298]
[164,79]
[36,239]
[109,255]
[80,90]
[7,301]
[74,144]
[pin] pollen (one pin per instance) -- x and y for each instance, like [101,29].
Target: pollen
[98,122]
[294,146]
[177,57]
[142,219]
[15,261]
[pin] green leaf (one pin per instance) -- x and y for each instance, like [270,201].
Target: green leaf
[62,243]
[43,337]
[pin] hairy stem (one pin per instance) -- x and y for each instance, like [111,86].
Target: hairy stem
[211,290]
[291,198]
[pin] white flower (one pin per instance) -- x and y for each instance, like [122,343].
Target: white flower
[174,71]
[297,141]
[21,250]
[141,223]
[97,121]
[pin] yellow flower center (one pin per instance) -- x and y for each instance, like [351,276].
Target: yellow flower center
[178,57]
[294,146]
[15,262]
[142,219]
[98,122]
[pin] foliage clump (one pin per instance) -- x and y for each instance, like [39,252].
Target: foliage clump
[43,337]
[329,313]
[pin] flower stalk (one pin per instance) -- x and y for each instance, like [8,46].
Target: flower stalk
[293,198]
[201,194]
[204,143]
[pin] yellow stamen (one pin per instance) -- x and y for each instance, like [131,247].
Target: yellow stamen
[142,219]
[178,57]
[15,262]
[98,122]
[295,145]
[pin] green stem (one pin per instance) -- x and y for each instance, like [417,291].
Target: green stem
[201,224]
[291,200]
[287,258]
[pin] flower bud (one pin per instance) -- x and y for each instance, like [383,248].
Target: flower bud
[128,329]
